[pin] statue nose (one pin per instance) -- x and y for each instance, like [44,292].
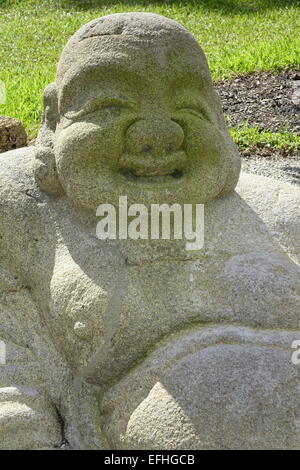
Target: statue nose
[156,137]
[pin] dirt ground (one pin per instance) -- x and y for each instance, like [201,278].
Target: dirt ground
[271,102]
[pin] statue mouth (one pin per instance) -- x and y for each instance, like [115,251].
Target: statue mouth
[156,176]
[136,168]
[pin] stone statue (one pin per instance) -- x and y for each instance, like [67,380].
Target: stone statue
[141,344]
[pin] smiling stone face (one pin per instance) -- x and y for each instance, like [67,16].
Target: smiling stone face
[141,346]
[137,115]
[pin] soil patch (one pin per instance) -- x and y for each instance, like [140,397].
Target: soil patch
[270,102]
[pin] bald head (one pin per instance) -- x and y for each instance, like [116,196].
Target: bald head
[129,30]
[147,26]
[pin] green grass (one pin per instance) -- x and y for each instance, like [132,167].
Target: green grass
[253,137]
[238,36]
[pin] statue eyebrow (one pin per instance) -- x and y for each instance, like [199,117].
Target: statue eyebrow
[89,69]
[121,71]
[124,70]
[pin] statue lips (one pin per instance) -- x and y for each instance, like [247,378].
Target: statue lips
[148,165]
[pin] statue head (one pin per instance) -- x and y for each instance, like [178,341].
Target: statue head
[133,111]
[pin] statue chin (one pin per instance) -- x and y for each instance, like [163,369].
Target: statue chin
[236,390]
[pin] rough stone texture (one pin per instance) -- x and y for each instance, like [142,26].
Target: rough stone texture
[201,385]
[283,169]
[140,343]
[278,206]
[12,134]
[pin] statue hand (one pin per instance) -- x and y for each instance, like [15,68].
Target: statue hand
[28,420]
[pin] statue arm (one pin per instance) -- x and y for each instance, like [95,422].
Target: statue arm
[278,204]
[28,417]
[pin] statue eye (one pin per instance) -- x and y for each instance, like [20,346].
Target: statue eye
[192,110]
[98,104]
[195,110]
[111,103]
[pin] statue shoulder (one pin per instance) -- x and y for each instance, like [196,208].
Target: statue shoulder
[28,419]
[16,175]
[277,203]
[20,196]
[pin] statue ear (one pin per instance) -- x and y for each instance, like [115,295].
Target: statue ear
[231,151]
[234,168]
[45,167]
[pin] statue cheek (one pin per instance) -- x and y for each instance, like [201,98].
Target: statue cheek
[88,143]
[205,141]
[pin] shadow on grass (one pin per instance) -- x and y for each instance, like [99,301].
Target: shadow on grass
[225,6]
